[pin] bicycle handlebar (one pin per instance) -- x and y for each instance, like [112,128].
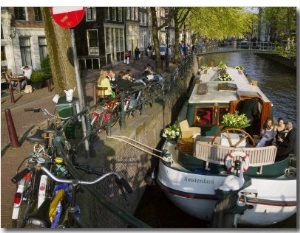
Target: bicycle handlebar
[20,175]
[74,182]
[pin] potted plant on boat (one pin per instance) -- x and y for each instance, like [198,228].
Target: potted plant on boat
[234,120]
[222,66]
[224,76]
[171,133]
[204,68]
[233,133]
[240,69]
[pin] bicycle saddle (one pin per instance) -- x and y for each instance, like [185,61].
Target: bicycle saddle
[40,217]
[37,137]
[50,130]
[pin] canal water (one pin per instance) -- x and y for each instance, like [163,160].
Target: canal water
[279,83]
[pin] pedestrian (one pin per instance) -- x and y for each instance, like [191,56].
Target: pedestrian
[286,146]
[149,50]
[127,56]
[137,53]
[267,133]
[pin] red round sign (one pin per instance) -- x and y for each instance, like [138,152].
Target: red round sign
[67,16]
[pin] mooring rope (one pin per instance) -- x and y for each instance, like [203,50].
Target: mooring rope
[130,140]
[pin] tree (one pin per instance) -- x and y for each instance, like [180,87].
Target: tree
[60,54]
[219,22]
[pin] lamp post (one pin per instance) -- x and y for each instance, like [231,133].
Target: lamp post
[167,49]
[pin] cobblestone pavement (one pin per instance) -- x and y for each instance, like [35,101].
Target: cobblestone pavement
[11,157]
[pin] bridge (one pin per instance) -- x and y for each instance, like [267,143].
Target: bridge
[241,47]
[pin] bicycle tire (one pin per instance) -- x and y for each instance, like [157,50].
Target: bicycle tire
[29,200]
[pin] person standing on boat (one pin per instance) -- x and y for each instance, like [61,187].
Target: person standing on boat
[267,133]
[250,109]
[286,146]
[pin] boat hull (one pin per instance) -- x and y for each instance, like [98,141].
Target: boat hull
[268,200]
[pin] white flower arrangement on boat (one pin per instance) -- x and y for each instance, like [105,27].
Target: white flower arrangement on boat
[224,76]
[171,132]
[234,120]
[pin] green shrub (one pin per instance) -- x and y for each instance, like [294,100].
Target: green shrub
[37,76]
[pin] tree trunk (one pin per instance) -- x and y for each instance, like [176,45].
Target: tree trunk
[158,64]
[60,52]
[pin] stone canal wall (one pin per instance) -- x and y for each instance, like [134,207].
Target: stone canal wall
[134,164]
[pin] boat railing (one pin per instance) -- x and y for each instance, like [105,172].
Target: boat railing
[216,154]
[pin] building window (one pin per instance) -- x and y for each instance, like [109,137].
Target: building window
[38,14]
[107,14]
[91,14]
[132,13]
[107,40]
[93,42]
[20,13]
[141,18]
[114,14]
[43,47]
[128,13]
[203,116]
[25,51]
[120,14]
[136,15]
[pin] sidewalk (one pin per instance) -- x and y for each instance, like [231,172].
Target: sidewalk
[24,122]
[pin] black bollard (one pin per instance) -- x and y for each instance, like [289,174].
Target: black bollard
[11,129]
[48,85]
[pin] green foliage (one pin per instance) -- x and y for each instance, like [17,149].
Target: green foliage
[240,67]
[37,76]
[46,67]
[222,65]
[219,22]
[235,120]
[205,67]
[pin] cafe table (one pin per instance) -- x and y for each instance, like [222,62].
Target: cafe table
[19,79]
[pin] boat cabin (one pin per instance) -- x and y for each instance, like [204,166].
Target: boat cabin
[211,98]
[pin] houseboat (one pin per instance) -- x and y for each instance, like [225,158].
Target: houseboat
[212,170]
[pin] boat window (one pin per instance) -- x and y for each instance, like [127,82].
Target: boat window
[204,116]
[221,112]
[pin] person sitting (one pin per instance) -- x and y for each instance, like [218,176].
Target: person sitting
[8,75]
[279,129]
[103,81]
[267,133]
[286,145]
[123,84]
[27,71]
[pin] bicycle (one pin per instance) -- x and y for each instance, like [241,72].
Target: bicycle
[108,115]
[69,214]
[33,187]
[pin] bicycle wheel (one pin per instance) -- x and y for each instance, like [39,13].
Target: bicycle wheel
[114,117]
[97,127]
[28,199]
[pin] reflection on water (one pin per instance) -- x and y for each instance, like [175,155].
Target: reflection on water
[278,82]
